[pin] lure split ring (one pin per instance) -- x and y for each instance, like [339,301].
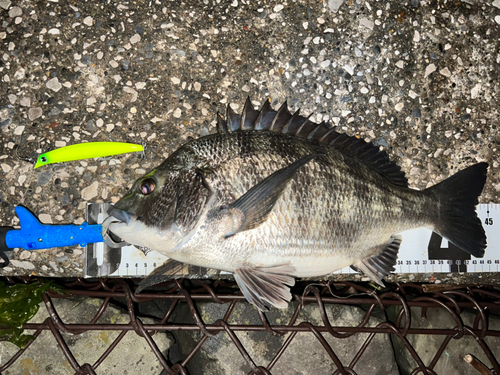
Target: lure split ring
[105,233]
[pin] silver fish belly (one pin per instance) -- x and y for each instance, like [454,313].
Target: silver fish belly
[274,196]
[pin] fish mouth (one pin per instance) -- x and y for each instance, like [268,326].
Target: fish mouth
[124,216]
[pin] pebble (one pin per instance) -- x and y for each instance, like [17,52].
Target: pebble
[6,168]
[22,264]
[25,254]
[135,39]
[431,68]
[175,80]
[416,36]
[62,258]
[12,98]
[325,64]
[399,106]
[5,4]
[365,22]
[45,218]
[445,72]
[334,5]
[132,91]
[278,8]
[54,266]
[19,74]
[474,92]
[15,12]
[349,69]
[19,130]
[497,19]
[54,32]
[197,86]
[177,113]
[25,102]
[90,191]
[89,21]
[417,113]
[54,84]
[44,177]
[34,113]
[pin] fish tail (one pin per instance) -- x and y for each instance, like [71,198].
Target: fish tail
[457,198]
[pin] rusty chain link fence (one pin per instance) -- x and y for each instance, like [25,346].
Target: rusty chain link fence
[408,303]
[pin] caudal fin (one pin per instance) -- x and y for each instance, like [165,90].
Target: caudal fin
[458,197]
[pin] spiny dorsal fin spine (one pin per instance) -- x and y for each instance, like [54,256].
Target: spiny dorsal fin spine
[221,124]
[233,119]
[303,126]
[281,118]
[330,133]
[248,116]
[318,132]
[261,123]
[286,128]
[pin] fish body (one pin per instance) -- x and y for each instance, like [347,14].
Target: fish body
[273,196]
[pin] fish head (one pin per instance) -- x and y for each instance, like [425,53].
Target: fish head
[162,208]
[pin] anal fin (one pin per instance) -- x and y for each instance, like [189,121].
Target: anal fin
[266,286]
[165,272]
[379,266]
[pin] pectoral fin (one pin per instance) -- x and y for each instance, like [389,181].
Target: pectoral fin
[266,286]
[163,273]
[379,266]
[257,203]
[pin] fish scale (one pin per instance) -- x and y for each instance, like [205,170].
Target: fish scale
[274,196]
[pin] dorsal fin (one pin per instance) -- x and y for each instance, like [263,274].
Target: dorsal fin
[282,121]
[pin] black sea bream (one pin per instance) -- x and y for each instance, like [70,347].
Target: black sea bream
[273,196]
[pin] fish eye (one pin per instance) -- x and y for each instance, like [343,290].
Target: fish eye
[43,159]
[147,186]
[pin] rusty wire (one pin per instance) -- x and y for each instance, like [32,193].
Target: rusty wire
[481,299]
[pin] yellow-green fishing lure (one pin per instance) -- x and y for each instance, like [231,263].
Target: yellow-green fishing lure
[86,151]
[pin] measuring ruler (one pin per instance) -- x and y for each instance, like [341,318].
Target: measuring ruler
[422,251]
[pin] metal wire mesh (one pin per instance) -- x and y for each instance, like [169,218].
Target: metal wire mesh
[483,300]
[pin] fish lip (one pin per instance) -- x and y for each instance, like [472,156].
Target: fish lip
[124,216]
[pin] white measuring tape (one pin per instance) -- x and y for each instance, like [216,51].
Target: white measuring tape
[422,251]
